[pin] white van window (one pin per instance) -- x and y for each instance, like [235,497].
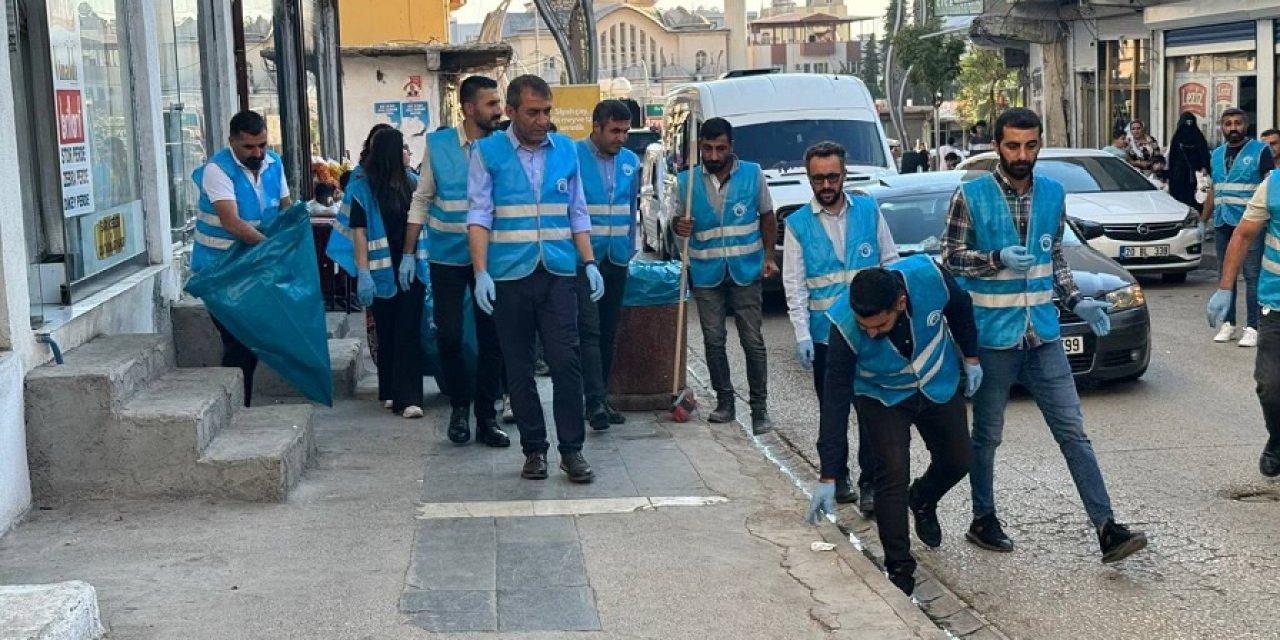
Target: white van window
[781,144]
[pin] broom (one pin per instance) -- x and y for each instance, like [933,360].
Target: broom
[684,401]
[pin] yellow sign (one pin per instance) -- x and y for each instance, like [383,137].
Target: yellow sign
[571,108]
[109,236]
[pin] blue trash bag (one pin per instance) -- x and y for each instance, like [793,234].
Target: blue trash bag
[652,283]
[268,296]
[431,365]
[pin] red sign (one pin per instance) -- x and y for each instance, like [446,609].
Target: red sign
[70,116]
[1192,97]
[1224,92]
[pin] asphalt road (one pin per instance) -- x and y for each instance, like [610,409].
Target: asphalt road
[1179,451]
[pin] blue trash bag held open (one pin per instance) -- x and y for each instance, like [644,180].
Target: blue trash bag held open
[652,283]
[268,296]
[431,364]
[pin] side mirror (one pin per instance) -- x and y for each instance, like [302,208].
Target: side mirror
[1088,230]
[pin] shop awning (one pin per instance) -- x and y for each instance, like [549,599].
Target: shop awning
[444,58]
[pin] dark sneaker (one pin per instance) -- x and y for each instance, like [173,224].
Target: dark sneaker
[724,411]
[867,500]
[535,466]
[1269,463]
[760,423]
[906,582]
[598,418]
[926,516]
[460,425]
[573,464]
[1118,543]
[614,416]
[987,533]
[844,491]
[488,433]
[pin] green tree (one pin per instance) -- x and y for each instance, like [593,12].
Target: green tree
[871,66]
[934,60]
[891,17]
[983,78]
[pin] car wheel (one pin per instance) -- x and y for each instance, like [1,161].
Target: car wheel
[1174,278]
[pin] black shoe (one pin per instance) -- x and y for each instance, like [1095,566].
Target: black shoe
[1269,463]
[906,582]
[987,533]
[867,500]
[724,411]
[614,416]
[488,433]
[760,423]
[540,368]
[1118,543]
[535,466]
[844,491]
[460,425]
[573,464]
[598,418]
[926,516]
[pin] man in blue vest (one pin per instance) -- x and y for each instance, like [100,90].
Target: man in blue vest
[1239,164]
[440,204]
[529,230]
[243,186]
[894,340]
[732,239]
[1004,243]
[827,242]
[1261,220]
[611,183]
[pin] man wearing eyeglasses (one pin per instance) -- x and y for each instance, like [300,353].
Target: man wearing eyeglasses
[826,243]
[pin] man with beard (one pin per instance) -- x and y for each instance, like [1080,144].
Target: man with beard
[827,242]
[440,203]
[732,238]
[1238,166]
[1004,243]
[241,188]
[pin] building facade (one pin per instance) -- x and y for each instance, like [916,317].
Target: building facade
[109,106]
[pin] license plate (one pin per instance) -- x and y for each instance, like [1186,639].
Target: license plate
[1148,251]
[1073,344]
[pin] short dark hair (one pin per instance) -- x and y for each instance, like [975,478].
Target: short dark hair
[472,85]
[951,140]
[952,157]
[1269,132]
[874,291]
[526,82]
[1018,118]
[714,128]
[607,111]
[1158,158]
[249,122]
[824,149]
[1234,111]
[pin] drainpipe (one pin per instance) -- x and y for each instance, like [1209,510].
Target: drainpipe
[45,338]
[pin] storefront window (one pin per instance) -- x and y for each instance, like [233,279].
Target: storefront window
[1125,91]
[182,100]
[1206,85]
[260,65]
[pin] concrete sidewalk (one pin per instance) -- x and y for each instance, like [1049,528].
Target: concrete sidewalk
[399,534]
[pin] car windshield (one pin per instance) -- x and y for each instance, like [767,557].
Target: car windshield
[1086,174]
[781,145]
[917,221]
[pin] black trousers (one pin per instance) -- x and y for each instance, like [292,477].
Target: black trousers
[598,330]
[448,286]
[398,323]
[945,429]
[1266,373]
[542,305]
[235,354]
[866,458]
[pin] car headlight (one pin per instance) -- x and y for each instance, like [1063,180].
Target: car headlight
[1130,297]
[1192,220]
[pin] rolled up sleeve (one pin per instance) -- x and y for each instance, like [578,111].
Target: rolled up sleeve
[1257,210]
[479,192]
[424,195]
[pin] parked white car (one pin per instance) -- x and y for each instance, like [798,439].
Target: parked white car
[1141,227]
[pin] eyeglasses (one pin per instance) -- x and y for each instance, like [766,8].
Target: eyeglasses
[832,178]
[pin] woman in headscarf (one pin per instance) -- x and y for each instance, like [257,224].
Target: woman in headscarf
[1188,157]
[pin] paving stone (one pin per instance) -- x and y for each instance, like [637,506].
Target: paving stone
[469,487]
[546,529]
[440,601]
[508,485]
[445,465]
[550,609]
[458,568]
[449,532]
[533,565]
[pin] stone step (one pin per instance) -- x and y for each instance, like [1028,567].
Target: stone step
[61,611]
[344,362]
[261,454]
[198,343]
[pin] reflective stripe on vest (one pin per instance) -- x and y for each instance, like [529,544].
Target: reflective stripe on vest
[380,261]
[1007,304]
[884,373]
[727,240]
[1269,280]
[211,239]
[611,221]
[1233,189]
[446,228]
[827,273]
[530,227]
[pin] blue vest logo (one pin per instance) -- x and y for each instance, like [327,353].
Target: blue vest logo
[1247,160]
[739,209]
[1046,243]
[627,170]
[864,249]
[934,318]
[562,185]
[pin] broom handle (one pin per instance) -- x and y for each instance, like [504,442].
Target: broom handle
[684,256]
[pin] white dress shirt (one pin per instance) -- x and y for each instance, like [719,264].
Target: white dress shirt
[835,223]
[218,186]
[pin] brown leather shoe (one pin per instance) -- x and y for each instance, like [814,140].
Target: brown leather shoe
[535,466]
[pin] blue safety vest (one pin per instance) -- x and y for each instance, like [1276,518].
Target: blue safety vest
[1007,303]
[612,224]
[447,224]
[341,246]
[530,227]
[379,250]
[1232,189]
[933,367]
[211,240]
[827,273]
[1269,280]
[727,239]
